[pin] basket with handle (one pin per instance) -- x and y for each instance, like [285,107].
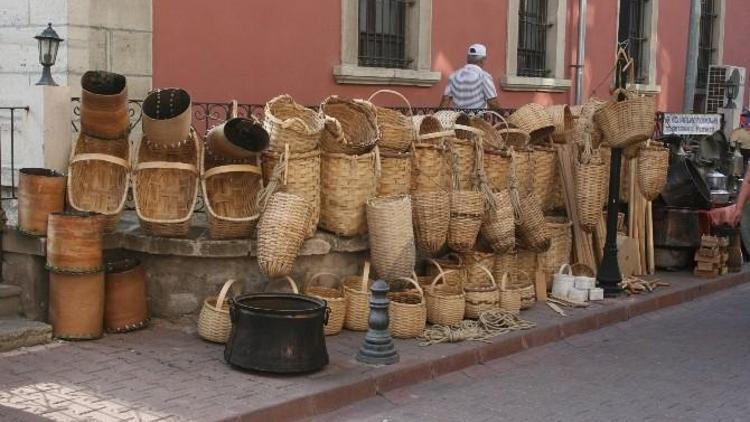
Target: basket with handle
[395,173]
[584,126]
[497,167]
[533,119]
[561,244]
[289,123]
[480,297]
[653,163]
[357,296]
[504,263]
[562,119]
[389,222]
[430,168]
[488,135]
[335,301]
[459,122]
[396,129]
[407,311]
[214,323]
[627,122]
[445,304]
[591,179]
[509,297]
[346,183]
[545,180]
[452,266]
[281,232]
[471,262]
[498,225]
[581,269]
[531,231]
[510,135]
[467,209]
[525,285]
[350,126]
[430,217]
[464,162]
[429,130]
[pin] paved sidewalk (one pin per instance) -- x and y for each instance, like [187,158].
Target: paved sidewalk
[686,363]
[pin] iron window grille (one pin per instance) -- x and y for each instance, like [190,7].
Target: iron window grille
[382,33]
[632,34]
[532,38]
[706,41]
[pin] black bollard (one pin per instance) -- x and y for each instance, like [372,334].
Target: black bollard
[378,348]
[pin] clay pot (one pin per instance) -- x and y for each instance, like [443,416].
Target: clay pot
[125,296]
[74,242]
[104,105]
[76,305]
[40,193]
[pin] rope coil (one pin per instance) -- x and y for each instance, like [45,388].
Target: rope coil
[490,324]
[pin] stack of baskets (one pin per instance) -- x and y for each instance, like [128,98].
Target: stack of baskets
[396,136]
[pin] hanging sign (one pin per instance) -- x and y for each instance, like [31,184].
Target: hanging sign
[691,124]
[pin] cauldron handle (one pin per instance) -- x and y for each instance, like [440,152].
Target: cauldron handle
[233,314]
[327,314]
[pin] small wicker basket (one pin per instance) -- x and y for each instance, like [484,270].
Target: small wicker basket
[510,298]
[407,311]
[480,297]
[357,295]
[214,323]
[335,301]
[396,129]
[445,304]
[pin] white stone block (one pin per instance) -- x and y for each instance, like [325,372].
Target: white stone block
[133,15]
[596,294]
[43,11]
[14,12]
[87,49]
[131,53]
[578,295]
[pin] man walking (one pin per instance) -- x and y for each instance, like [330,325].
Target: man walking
[471,86]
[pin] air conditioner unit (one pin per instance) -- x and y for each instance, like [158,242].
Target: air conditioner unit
[723,81]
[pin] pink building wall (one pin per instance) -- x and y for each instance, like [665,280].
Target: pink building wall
[261,48]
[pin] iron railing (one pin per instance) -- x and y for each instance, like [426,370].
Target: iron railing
[11,113]
[532,38]
[382,33]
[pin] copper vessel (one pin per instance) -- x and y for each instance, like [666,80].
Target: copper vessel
[40,193]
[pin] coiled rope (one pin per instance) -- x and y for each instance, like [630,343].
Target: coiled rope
[490,324]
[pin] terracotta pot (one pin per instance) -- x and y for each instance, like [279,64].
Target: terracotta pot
[104,105]
[40,193]
[125,296]
[76,305]
[74,242]
[167,115]
[236,139]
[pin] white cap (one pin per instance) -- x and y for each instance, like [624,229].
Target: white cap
[478,50]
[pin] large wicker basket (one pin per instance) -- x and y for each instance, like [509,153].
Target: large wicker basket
[431,168]
[389,223]
[431,213]
[451,266]
[407,311]
[289,123]
[497,167]
[350,127]
[627,122]
[591,178]
[99,177]
[467,208]
[545,176]
[165,186]
[480,297]
[498,225]
[281,232]
[531,229]
[214,323]
[653,163]
[357,295]
[523,168]
[395,173]
[533,119]
[562,118]
[346,183]
[335,301]
[464,162]
[396,129]
[445,304]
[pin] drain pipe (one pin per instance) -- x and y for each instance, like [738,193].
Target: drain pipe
[691,61]
[582,12]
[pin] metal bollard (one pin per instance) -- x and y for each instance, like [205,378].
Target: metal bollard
[377,347]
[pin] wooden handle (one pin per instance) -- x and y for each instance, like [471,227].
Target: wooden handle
[231,168]
[492,278]
[390,91]
[365,276]
[101,157]
[223,293]
[415,284]
[166,165]
[316,276]
[292,284]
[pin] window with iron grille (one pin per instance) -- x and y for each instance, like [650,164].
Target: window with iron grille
[532,38]
[382,33]
[633,33]
[706,41]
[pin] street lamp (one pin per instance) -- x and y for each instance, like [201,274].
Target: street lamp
[49,41]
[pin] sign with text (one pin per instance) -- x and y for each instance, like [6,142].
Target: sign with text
[691,124]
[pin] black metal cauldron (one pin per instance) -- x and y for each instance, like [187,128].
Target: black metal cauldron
[277,332]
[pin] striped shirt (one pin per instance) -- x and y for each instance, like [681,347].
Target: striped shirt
[470,87]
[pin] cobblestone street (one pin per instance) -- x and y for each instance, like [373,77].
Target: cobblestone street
[685,363]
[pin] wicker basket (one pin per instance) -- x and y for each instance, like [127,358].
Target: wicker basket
[522,167]
[525,285]
[214,323]
[357,295]
[497,167]
[429,129]
[472,261]
[467,208]
[407,311]
[350,127]
[584,127]
[289,123]
[431,168]
[99,177]
[503,134]
[459,122]
[627,122]
[480,297]
[229,192]
[591,179]
[335,301]
[446,304]
[396,129]
[299,175]
[498,225]
[389,223]
[346,183]
[165,186]
[533,119]
[544,180]
[395,173]
[505,263]
[512,136]
[562,118]
[527,261]
[561,244]
[488,135]
[431,214]
[464,162]
[653,163]
[451,266]
[281,231]
[509,297]
[531,229]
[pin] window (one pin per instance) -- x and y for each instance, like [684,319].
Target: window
[637,33]
[536,46]
[532,38]
[709,46]
[386,42]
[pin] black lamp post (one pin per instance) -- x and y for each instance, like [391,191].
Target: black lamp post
[49,41]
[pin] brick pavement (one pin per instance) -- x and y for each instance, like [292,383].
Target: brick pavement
[686,363]
[166,374]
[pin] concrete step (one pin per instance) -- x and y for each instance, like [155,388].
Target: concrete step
[10,301]
[15,333]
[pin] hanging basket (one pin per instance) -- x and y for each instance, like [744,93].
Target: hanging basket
[451,266]
[350,127]
[531,229]
[497,168]
[591,179]
[459,122]
[467,208]
[480,297]
[346,183]
[653,164]
[431,168]
[289,123]
[627,122]
[509,297]
[446,304]
[561,244]
[281,231]
[335,301]
[395,173]
[431,212]
[214,323]
[498,225]
[562,118]
[544,181]
[396,129]
[389,222]
[357,295]
[533,119]
[525,285]
[464,162]
[99,177]
[407,311]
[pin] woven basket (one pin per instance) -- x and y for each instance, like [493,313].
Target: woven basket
[525,285]
[396,129]
[653,163]
[480,297]
[472,261]
[544,180]
[446,304]
[459,122]
[346,183]
[389,222]
[487,133]
[498,225]
[464,162]
[407,311]
[561,244]
[165,186]
[533,119]
[523,163]
[214,323]
[98,177]
[467,208]
[497,168]
[627,122]
[431,168]
[357,295]
[505,263]
[531,229]
[591,179]
[350,127]
[431,214]
[526,260]
[509,297]
[512,136]
[229,193]
[584,126]
[395,173]
[452,266]
[300,175]
[335,302]
[429,129]
[289,123]
[562,118]
[281,231]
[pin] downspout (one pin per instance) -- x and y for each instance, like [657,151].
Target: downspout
[582,12]
[691,65]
